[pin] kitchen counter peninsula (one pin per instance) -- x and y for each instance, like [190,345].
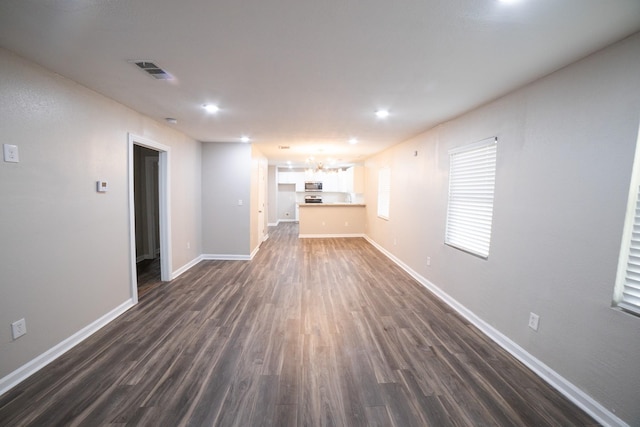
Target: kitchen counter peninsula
[331,219]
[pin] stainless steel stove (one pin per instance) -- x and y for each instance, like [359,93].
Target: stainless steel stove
[313,199]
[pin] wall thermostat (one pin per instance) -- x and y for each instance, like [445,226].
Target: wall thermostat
[102,186]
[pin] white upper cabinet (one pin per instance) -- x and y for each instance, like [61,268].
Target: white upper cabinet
[330,182]
[350,180]
[285,177]
[292,177]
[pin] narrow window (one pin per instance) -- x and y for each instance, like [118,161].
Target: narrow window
[472,175]
[384,192]
[627,292]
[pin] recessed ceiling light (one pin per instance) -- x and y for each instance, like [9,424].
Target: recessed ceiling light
[211,108]
[382,114]
[353,141]
[245,138]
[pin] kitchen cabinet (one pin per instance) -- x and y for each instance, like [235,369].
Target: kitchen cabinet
[285,177]
[330,181]
[292,177]
[350,180]
[331,220]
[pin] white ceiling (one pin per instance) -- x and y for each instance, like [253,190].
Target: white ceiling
[310,73]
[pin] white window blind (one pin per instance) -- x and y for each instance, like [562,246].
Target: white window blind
[384,192]
[472,173]
[628,291]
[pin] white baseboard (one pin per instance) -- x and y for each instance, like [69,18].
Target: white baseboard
[226,257]
[569,390]
[58,350]
[254,252]
[186,267]
[325,236]
[573,393]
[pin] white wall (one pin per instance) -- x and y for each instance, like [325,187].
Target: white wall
[287,202]
[226,179]
[565,150]
[64,249]
[186,199]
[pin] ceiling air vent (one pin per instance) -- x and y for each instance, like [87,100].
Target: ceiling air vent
[153,70]
[283,147]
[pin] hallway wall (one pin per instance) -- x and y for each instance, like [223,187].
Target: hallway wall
[566,146]
[64,248]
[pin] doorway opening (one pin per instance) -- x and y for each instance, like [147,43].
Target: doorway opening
[147,218]
[149,215]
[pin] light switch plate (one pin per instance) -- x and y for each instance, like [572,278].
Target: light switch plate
[10,153]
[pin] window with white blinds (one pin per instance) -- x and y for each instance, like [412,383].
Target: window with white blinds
[384,192]
[627,295]
[472,175]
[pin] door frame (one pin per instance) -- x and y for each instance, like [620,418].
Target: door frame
[164,206]
[262,208]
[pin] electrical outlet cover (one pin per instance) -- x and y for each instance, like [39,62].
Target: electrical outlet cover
[18,328]
[534,321]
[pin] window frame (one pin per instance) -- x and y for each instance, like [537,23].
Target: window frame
[384,193]
[629,259]
[470,200]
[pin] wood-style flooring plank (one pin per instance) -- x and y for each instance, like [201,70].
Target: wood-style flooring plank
[311,332]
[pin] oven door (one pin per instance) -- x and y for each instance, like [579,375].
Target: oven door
[313,199]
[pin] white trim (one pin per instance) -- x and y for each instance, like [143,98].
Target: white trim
[273,224]
[471,193]
[323,236]
[225,257]
[555,380]
[286,220]
[164,180]
[33,366]
[628,242]
[186,267]
[384,193]
[254,252]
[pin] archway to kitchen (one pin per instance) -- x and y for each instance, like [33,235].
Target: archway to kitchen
[149,214]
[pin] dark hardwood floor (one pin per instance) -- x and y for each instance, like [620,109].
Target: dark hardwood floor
[148,275]
[314,332]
